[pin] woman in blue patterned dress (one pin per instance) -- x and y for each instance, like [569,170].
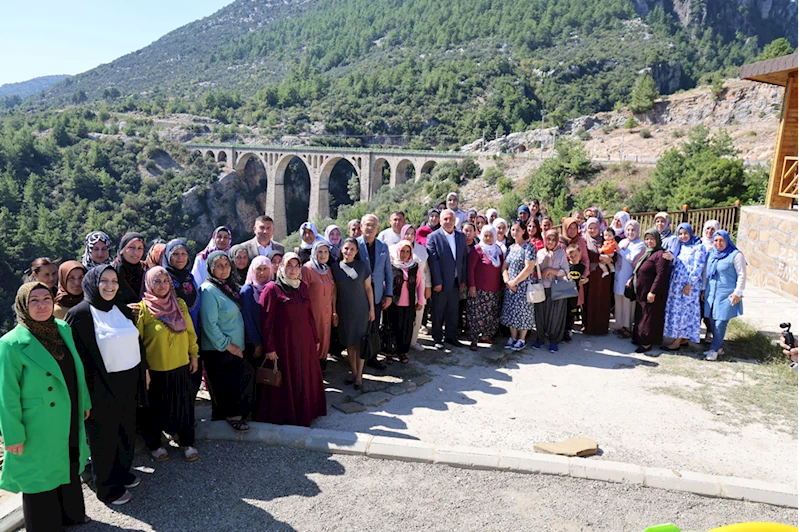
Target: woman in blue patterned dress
[683,312]
[517,313]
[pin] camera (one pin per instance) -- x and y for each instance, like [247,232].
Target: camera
[787,336]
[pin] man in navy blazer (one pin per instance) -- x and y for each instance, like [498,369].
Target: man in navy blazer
[446,249]
[376,254]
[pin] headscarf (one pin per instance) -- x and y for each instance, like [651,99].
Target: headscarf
[496,223]
[131,276]
[312,227]
[241,274]
[227,286]
[271,255]
[155,254]
[182,280]
[433,227]
[164,309]
[567,222]
[523,208]
[549,254]
[422,234]
[715,255]
[91,239]
[260,260]
[317,266]
[452,195]
[648,252]
[623,217]
[91,291]
[334,247]
[667,231]
[470,211]
[45,331]
[395,256]
[62,297]
[708,242]
[211,247]
[489,212]
[593,243]
[636,226]
[691,241]
[493,252]
[288,285]
[483,216]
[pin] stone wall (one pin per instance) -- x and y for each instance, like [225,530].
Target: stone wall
[768,239]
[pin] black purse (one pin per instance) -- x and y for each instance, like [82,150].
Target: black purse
[629,290]
[370,342]
[388,343]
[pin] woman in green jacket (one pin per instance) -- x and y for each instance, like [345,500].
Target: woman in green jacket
[43,404]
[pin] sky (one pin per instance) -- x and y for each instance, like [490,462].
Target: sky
[46,37]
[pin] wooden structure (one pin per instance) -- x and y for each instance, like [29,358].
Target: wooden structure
[726,216]
[782,184]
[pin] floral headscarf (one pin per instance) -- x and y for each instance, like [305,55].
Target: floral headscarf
[288,285]
[91,239]
[227,286]
[45,331]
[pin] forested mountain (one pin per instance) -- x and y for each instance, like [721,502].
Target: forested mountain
[446,70]
[23,89]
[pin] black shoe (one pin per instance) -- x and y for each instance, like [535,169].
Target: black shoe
[667,348]
[642,349]
[376,364]
[456,343]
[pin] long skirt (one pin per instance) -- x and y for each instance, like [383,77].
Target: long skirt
[401,320]
[170,407]
[649,320]
[230,382]
[625,311]
[54,509]
[550,318]
[483,314]
[596,311]
[111,429]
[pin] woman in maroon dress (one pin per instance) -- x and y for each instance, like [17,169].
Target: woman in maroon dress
[290,340]
[651,280]
[599,290]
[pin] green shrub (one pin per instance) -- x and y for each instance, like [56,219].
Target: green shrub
[631,123]
[505,185]
[645,133]
[491,175]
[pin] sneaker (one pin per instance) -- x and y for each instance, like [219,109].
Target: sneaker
[136,482]
[124,499]
[538,345]
[439,346]
[553,348]
[418,347]
[518,345]
[511,343]
[711,355]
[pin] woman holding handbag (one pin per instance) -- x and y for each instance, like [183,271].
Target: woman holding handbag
[355,305]
[550,314]
[517,313]
[291,341]
[651,280]
[630,250]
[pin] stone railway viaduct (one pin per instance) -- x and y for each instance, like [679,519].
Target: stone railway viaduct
[319,161]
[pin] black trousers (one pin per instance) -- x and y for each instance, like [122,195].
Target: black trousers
[445,313]
[111,429]
[231,383]
[50,511]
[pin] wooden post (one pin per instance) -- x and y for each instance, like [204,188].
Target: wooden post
[684,216]
[785,145]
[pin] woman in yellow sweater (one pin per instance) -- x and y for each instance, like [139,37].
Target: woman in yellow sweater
[172,354]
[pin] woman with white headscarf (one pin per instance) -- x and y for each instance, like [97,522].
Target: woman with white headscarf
[618,224]
[291,342]
[308,236]
[258,275]
[322,291]
[501,225]
[408,298]
[484,304]
[334,237]
[710,228]
[630,250]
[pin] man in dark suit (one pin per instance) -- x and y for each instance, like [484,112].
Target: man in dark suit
[446,250]
[262,243]
[376,254]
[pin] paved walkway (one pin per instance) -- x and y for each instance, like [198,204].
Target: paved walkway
[242,487]
[765,310]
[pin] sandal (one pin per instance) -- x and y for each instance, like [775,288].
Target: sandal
[160,455]
[403,359]
[189,453]
[239,425]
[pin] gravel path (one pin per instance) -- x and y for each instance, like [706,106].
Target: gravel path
[241,486]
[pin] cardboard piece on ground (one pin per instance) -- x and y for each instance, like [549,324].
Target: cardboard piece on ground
[570,447]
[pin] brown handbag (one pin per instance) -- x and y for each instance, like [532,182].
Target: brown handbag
[267,376]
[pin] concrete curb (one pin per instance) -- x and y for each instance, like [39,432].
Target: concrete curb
[11,514]
[355,443]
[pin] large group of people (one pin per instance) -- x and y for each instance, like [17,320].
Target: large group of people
[143,329]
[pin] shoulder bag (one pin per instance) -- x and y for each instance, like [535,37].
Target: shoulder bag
[370,342]
[535,289]
[562,289]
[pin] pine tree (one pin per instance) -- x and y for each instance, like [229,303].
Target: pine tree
[645,92]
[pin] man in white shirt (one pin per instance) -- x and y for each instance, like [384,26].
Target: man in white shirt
[453,204]
[262,243]
[392,235]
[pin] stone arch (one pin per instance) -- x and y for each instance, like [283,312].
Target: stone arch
[334,184]
[521,148]
[210,155]
[296,187]
[400,174]
[221,157]
[243,159]
[427,167]
[377,175]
